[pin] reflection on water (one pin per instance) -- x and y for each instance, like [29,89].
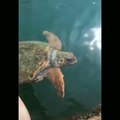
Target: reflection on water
[78,25]
[96,41]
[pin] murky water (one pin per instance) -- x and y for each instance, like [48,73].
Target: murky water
[78,25]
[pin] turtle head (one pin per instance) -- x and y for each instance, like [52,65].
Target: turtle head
[65,59]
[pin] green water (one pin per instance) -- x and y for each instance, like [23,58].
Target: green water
[78,25]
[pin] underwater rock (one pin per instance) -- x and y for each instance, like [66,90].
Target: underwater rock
[95,114]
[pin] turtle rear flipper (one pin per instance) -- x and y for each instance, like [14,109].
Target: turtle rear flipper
[56,78]
[40,68]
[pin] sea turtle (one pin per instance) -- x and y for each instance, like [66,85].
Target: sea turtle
[38,60]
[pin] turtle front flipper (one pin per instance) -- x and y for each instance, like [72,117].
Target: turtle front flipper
[56,78]
[53,40]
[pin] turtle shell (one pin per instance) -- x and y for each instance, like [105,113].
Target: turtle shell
[35,57]
[31,55]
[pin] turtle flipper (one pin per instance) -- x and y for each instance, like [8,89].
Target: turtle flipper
[40,67]
[56,78]
[53,40]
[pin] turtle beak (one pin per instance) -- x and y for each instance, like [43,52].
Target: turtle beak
[70,61]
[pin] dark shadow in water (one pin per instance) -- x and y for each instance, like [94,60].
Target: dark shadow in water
[73,108]
[36,109]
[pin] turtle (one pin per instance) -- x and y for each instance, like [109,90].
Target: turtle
[39,60]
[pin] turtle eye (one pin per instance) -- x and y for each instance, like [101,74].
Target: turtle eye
[61,61]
